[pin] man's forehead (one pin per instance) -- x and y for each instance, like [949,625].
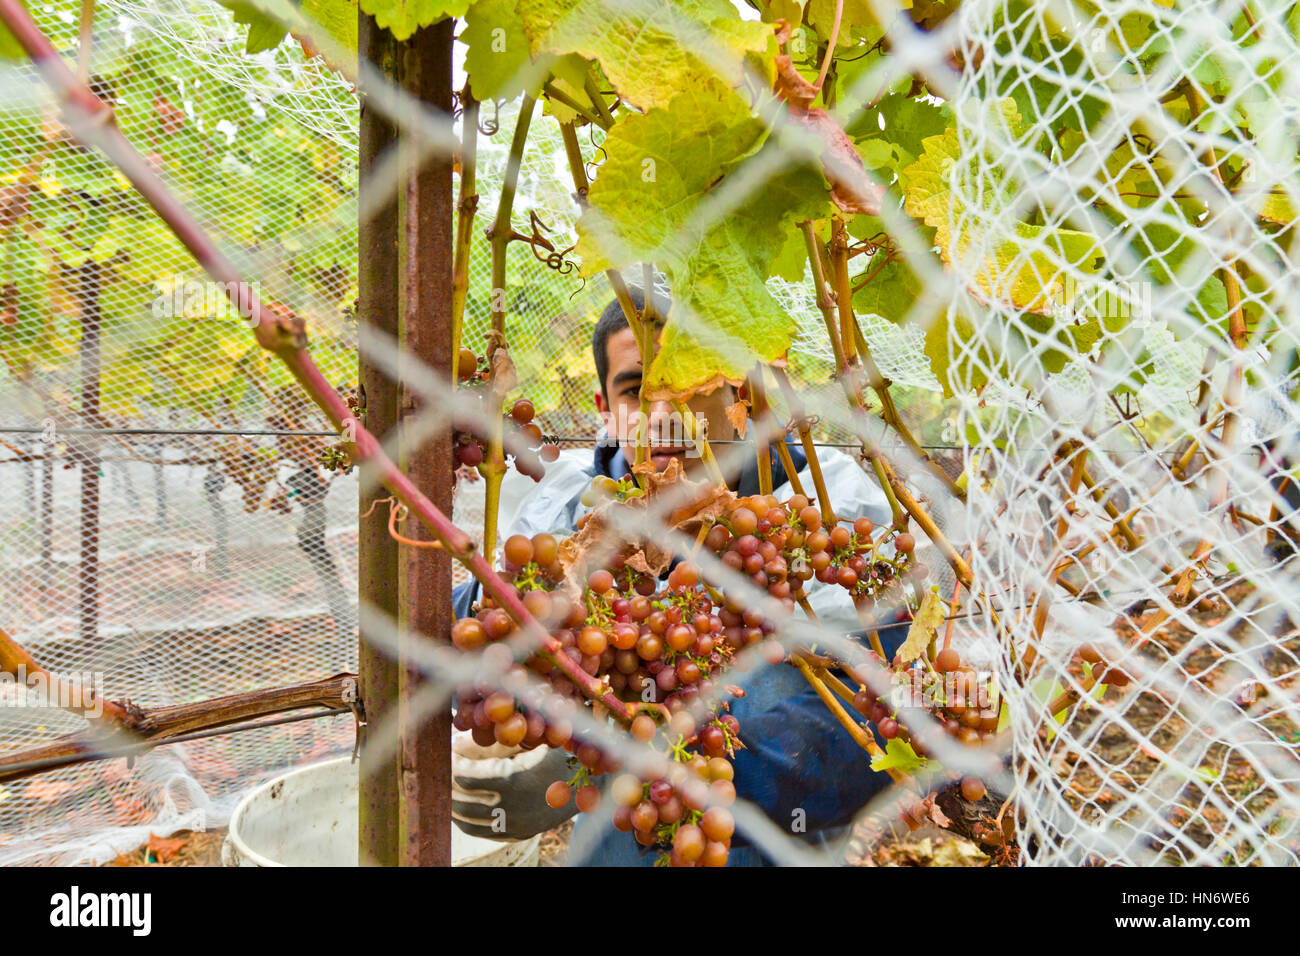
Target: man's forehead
[622,351]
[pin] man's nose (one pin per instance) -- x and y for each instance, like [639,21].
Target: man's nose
[661,421]
[660,412]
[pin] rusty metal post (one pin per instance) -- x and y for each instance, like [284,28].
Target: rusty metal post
[377,561]
[424,592]
[405,288]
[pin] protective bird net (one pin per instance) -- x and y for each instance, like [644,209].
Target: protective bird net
[1115,187]
[1173,181]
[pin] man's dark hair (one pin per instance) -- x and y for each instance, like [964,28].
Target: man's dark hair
[613,320]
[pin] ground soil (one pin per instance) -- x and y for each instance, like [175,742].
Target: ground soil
[1114,763]
[185,848]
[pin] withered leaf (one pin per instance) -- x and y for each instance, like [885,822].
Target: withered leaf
[738,416]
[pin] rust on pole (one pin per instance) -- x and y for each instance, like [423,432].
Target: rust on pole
[377,559]
[406,260]
[425,255]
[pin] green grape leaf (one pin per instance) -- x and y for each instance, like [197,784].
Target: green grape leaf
[722,321]
[1068,106]
[338,18]
[1212,303]
[890,293]
[1165,253]
[9,47]
[971,372]
[857,17]
[1136,28]
[265,32]
[791,260]
[402,18]
[651,50]
[499,59]
[723,318]
[660,165]
[908,121]
[879,154]
[660,197]
[899,756]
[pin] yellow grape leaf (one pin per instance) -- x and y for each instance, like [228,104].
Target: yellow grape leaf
[650,203]
[1278,208]
[402,18]
[651,50]
[1026,271]
[925,624]
[723,319]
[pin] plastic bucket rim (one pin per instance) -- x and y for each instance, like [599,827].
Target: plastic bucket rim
[241,808]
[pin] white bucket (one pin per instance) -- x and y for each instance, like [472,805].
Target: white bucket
[308,817]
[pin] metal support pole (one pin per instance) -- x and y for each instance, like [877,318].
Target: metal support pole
[424,592]
[406,275]
[377,569]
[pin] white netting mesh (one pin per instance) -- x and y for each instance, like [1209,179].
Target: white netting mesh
[1168,136]
[1093,258]
[222,561]
[225,558]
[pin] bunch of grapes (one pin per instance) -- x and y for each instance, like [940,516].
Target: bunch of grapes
[959,706]
[664,650]
[338,457]
[684,812]
[783,546]
[472,444]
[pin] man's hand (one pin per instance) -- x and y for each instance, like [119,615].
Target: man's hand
[499,793]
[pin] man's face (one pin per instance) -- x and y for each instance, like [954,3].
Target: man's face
[667,436]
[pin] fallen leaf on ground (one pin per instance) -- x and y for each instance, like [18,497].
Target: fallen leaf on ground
[47,790]
[165,848]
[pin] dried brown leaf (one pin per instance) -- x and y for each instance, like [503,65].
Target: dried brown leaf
[165,849]
[791,86]
[852,189]
[697,503]
[939,818]
[502,375]
[738,416]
